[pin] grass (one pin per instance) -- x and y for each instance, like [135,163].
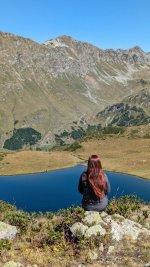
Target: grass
[44,238]
[36,161]
[119,153]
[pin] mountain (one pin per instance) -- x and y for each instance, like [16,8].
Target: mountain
[133,110]
[61,85]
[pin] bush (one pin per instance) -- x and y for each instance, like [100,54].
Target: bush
[73,147]
[147,136]
[124,205]
[113,130]
[21,137]
[5,245]
[4,207]
[19,219]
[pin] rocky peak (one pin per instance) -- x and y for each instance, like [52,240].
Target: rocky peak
[60,41]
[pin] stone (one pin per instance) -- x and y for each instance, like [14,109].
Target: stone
[95,230]
[78,228]
[147,264]
[92,217]
[117,217]
[103,214]
[7,231]
[108,219]
[101,247]
[12,264]
[126,227]
[110,249]
[92,255]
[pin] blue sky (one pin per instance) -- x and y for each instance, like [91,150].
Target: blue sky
[104,23]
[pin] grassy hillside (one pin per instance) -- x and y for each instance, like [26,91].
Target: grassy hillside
[45,238]
[126,152]
[48,86]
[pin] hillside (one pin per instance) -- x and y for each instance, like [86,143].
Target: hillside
[75,238]
[125,151]
[132,110]
[61,85]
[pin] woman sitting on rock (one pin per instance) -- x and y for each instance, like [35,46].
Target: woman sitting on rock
[94,185]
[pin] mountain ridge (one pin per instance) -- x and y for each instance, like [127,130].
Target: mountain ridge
[48,86]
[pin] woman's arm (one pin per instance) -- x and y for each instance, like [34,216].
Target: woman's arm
[80,186]
[108,184]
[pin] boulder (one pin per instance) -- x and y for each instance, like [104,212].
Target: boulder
[95,230]
[92,255]
[92,217]
[78,228]
[7,231]
[126,227]
[110,249]
[12,264]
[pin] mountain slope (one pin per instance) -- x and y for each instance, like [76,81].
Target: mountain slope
[133,110]
[48,86]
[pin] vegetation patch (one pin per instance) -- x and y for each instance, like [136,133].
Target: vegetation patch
[130,116]
[113,130]
[73,147]
[124,205]
[22,137]
[45,238]
[147,136]
[2,155]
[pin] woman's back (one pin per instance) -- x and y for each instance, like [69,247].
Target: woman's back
[94,199]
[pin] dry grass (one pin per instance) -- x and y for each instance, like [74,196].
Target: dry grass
[35,161]
[118,154]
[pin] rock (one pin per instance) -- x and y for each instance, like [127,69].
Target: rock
[147,264]
[108,219]
[101,247]
[7,231]
[34,265]
[92,217]
[103,214]
[12,264]
[94,230]
[110,249]
[92,255]
[117,217]
[126,227]
[81,265]
[78,228]
[147,225]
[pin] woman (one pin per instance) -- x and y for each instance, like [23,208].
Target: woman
[94,185]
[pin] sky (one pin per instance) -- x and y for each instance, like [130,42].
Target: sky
[104,23]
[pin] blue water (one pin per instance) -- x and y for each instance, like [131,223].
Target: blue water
[57,189]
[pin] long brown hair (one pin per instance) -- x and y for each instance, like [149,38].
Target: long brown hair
[96,176]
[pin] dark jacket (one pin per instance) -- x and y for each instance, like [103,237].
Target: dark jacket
[90,201]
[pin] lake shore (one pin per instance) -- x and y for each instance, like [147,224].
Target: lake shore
[118,154]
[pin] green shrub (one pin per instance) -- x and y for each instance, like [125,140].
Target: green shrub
[53,237]
[147,136]
[73,147]
[124,205]
[5,245]
[4,207]
[2,155]
[113,130]
[21,137]
[20,219]
[76,134]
